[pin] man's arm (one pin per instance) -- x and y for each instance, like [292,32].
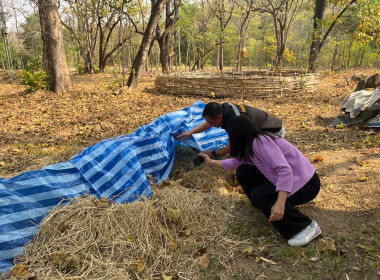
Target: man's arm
[199,128]
[222,151]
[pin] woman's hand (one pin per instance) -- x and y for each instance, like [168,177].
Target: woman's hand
[206,157]
[278,209]
[277,212]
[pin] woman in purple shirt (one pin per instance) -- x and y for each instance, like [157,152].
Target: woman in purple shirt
[275,176]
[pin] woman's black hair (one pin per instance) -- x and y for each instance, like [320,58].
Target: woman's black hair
[242,132]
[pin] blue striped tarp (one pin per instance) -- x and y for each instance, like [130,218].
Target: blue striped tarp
[115,168]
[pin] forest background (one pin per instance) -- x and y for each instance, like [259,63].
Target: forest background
[238,34]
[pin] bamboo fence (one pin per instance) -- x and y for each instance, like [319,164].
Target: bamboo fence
[247,83]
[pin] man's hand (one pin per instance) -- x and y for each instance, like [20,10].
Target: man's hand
[183,136]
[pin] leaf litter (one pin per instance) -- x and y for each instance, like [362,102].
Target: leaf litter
[95,239]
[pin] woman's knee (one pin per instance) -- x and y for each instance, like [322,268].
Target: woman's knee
[264,196]
[243,172]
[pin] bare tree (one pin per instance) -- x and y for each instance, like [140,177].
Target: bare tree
[283,13]
[171,17]
[223,12]
[141,56]
[318,37]
[92,25]
[246,7]
[54,58]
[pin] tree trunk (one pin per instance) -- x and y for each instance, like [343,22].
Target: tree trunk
[141,55]
[54,58]
[163,43]
[179,48]
[2,61]
[317,33]
[221,26]
[242,31]
[333,67]
[221,58]
[349,52]
[187,55]
[318,41]
[18,38]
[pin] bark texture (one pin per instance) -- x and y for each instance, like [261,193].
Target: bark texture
[54,58]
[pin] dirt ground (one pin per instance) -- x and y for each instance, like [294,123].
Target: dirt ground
[42,128]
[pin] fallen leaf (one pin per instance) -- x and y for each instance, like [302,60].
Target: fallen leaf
[173,214]
[207,187]
[15,151]
[240,189]
[131,238]
[248,250]
[318,159]
[200,252]
[138,266]
[167,183]
[362,179]
[267,261]
[228,187]
[314,259]
[18,270]
[204,261]
[327,245]
[166,277]
[317,257]
[360,162]
[366,247]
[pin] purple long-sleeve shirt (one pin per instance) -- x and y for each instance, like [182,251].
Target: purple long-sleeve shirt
[279,161]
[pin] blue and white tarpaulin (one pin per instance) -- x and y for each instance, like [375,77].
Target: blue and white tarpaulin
[115,168]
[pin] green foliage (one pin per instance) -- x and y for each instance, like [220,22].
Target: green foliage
[369,21]
[96,69]
[31,36]
[81,69]
[33,77]
[289,56]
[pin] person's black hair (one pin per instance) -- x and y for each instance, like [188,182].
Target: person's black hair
[212,110]
[241,133]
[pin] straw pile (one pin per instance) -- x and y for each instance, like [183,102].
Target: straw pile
[171,236]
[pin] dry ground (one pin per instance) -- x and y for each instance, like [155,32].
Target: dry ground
[42,128]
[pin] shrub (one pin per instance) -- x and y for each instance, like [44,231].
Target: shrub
[33,77]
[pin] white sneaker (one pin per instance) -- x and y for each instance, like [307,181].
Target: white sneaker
[305,235]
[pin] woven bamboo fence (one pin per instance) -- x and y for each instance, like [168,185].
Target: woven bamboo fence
[247,83]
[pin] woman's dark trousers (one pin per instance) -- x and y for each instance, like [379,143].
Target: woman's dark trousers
[262,194]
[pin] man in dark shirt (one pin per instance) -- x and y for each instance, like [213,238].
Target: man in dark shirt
[218,115]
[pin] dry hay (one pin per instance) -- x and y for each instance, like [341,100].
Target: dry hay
[95,239]
[201,177]
[173,234]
